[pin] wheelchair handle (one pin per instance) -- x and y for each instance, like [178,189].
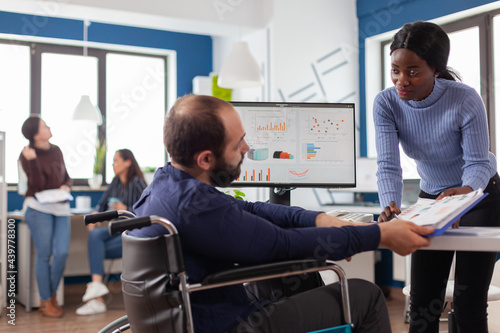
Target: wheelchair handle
[107,216]
[129,224]
[139,222]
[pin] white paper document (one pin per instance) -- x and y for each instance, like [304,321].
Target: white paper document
[53,196]
[441,213]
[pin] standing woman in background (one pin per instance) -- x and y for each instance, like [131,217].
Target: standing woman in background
[49,224]
[441,124]
[125,189]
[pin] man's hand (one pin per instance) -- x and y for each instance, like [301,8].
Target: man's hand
[389,212]
[404,237]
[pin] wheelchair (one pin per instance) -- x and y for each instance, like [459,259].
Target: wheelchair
[155,286]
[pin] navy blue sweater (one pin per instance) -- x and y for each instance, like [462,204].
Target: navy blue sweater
[218,231]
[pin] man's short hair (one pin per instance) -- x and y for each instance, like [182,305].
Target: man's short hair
[192,125]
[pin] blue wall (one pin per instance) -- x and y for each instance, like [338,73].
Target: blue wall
[15,201]
[379,16]
[194,52]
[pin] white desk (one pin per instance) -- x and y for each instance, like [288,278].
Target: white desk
[468,239]
[462,239]
[77,263]
[354,208]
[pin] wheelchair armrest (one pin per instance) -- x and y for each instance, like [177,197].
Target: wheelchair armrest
[251,272]
[272,270]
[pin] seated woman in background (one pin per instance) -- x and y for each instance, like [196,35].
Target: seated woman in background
[122,193]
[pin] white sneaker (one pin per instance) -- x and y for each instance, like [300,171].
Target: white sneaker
[94,290]
[91,307]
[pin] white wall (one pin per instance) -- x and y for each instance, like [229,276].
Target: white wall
[302,35]
[299,34]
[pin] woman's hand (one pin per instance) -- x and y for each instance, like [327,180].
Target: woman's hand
[65,188]
[92,226]
[29,153]
[454,191]
[119,206]
[389,212]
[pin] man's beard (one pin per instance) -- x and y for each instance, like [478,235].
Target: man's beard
[223,174]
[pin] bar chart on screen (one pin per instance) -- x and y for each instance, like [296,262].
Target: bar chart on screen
[321,151]
[255,175]
[270,124]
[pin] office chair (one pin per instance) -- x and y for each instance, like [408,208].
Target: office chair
[493,295]
[154,282]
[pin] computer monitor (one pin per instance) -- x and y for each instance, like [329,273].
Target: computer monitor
[298,145]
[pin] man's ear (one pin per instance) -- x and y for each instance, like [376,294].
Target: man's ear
[205,159]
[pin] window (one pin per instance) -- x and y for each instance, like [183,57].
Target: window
[496,66]
[128,87]
[64,79]
[135,92]
[14,102]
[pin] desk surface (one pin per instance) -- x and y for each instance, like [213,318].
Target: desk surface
[461,239]
[468,239]
[75,214]
[367,209]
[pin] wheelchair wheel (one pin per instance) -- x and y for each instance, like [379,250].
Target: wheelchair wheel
[119,325]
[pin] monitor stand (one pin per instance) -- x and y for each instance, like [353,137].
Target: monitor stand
[279,195]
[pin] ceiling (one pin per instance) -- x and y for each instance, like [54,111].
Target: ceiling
[214,17]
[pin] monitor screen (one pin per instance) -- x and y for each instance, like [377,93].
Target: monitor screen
[298,144]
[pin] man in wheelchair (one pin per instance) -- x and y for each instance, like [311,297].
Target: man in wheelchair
[206,141]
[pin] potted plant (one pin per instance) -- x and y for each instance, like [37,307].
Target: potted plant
[236,194]
[148,173]
[95,181]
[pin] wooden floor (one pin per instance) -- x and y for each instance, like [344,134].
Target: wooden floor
[70,322]
[32,322]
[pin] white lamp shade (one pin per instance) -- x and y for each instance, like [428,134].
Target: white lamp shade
[240,70]
[86,111]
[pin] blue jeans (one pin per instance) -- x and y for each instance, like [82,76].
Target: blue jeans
[51,235]
[102,246]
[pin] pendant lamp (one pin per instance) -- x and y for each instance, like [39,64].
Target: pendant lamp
[86,111]
[240,70]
